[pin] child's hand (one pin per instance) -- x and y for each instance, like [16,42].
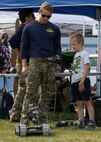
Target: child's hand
[81,86]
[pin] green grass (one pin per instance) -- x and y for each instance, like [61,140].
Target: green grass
[63,134]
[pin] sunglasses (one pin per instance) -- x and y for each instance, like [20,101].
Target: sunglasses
[48,16]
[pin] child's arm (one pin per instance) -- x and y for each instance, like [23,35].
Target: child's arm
[84,76]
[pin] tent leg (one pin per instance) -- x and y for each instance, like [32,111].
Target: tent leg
[99,52]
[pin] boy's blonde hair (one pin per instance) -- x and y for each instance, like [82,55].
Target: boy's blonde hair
[79,37]
[47,6]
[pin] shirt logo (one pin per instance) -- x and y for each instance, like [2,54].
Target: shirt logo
[49,30]
[76,65]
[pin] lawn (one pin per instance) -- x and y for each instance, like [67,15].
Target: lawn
[58,134]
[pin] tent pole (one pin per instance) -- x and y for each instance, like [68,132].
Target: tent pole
[99,52]
[84,28]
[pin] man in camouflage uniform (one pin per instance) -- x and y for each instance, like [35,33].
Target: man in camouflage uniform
[26,16]
[40,41]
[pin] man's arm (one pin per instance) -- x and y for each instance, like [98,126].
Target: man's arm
[15,40]
[57,43]
[25,46]
[18,56]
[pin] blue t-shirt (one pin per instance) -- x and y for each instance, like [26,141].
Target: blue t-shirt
[40,40]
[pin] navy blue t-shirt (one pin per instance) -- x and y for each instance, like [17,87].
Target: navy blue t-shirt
[40,40]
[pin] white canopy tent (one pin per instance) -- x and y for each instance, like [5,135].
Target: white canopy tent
[9,16]
[67,23]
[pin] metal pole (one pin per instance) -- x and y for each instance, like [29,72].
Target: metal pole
[98,93]
[84,28]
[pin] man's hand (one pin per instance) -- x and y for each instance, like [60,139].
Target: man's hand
[25,71]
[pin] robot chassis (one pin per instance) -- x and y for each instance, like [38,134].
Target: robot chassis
[24,130]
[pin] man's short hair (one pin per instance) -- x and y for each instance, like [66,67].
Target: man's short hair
[47,6]
[25,12]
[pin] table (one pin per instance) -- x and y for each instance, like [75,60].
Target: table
[63,74]
[9,75]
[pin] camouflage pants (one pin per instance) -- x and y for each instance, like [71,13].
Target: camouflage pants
[41,73]
[21,91]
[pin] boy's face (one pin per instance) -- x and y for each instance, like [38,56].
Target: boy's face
[75,45]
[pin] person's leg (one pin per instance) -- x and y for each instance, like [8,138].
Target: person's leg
[90,109]
[78,97]
[88,104]
[47,84]
[80,112]
[10,85]
[18,100]
[1,87]
[1,82]
[32,84]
